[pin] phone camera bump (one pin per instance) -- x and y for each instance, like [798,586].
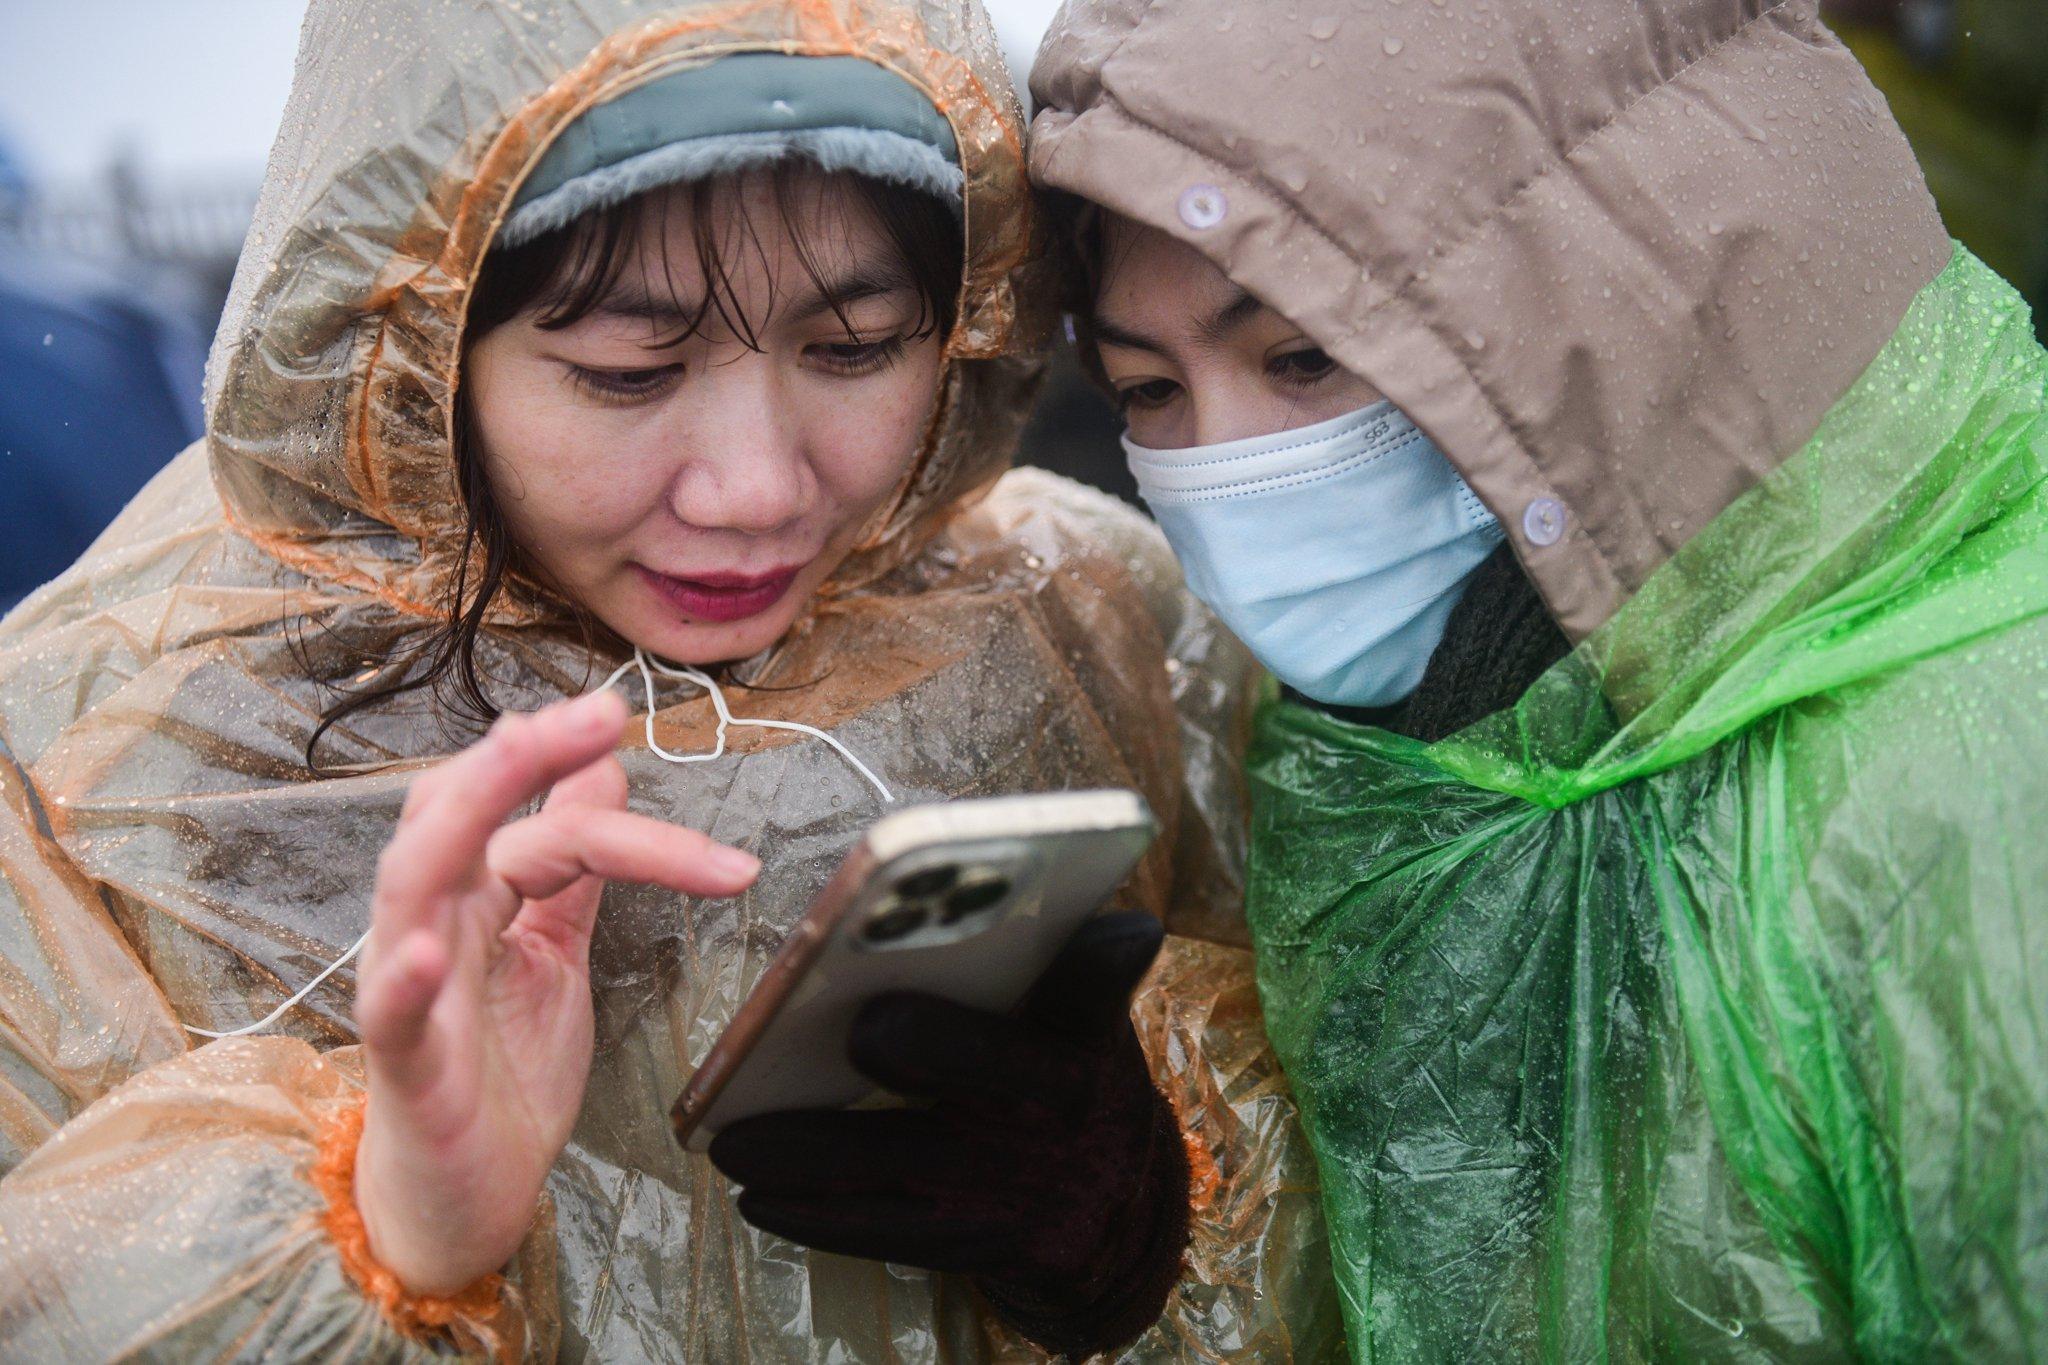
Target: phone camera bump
[974,897]
[930,883]
[895,921]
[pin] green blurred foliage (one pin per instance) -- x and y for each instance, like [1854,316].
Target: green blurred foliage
[1968,80]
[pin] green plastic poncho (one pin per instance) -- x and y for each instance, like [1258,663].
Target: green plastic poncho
[1696,1007]
[1721,1030]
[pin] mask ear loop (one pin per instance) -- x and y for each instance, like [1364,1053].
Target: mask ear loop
[648,668]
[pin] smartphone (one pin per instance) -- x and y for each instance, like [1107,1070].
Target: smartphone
[969,900]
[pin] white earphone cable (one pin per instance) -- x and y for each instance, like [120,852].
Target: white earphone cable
[648,668]
[267,1020]
[726,719]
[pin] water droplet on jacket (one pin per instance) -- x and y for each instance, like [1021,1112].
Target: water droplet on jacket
[1324,28]
[1392,47]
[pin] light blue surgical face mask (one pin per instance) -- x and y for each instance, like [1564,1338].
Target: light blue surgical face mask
[1335,552]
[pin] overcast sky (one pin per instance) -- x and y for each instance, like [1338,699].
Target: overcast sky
[195,86]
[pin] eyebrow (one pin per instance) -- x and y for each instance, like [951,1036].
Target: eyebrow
[635,303]
[1214,328]
[833,296]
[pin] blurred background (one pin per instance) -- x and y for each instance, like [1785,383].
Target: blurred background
[133,135]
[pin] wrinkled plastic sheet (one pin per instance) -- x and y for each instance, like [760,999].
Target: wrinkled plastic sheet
[173,863]
[1693,1009]
[166,857]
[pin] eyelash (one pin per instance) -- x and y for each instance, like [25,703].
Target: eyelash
[867,358]
[1290,369]
[623,386]
[1301,369]
[1136,395]
[626,386]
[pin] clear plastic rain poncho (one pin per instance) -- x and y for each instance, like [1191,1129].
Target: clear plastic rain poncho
[1696,1007]
[167,859]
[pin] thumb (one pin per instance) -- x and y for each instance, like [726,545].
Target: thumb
[1086,992]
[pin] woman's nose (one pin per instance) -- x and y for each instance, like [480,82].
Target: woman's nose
[747,468]
[1232,408]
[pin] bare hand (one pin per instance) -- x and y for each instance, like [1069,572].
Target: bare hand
[473,998]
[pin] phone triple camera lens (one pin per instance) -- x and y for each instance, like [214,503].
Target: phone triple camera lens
[944,896]
[933,881]
[898,921]
[974,897]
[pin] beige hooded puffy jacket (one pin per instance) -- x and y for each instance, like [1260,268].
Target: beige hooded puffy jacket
[1562,235]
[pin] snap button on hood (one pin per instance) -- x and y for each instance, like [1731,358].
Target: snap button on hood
[1202,206]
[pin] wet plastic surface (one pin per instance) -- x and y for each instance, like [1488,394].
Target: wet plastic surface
[1693,1009]
[166,858]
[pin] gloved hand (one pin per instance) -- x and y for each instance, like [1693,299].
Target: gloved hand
[1048,1166]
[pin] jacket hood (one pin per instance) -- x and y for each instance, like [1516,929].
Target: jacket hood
[168,857]
[1618,258]
[409,132]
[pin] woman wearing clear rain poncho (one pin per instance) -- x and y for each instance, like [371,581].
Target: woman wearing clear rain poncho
[1583,412]
[714,322]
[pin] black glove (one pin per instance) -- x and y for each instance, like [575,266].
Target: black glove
[1048,1166]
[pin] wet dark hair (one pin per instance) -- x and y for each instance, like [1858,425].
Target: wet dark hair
[561,277]
[1084,257]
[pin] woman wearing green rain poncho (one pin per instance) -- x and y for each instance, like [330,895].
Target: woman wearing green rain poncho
[1582,411]
[573,345]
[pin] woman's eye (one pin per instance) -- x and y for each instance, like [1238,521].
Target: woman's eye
[1302,367]
[858,357]
[621,384]
[1153,393]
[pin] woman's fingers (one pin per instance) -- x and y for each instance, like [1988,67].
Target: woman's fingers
[602,783]
[394,1004]
[826,1153]
[568,916]
[928,1047]
[902,1230]
[544,854]
[453,811]
[1086,991]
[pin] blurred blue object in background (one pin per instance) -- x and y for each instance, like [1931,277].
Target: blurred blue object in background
[102,387]
[101,364]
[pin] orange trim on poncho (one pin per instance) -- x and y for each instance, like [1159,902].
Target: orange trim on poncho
[420,1316]
[1203,1177]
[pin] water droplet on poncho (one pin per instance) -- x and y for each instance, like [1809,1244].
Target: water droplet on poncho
[1392,47]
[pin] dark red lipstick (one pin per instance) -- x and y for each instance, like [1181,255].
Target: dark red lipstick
[721,597]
